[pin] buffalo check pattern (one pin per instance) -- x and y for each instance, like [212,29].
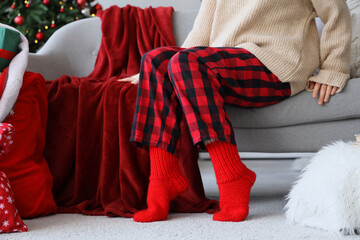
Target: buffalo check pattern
[194,84]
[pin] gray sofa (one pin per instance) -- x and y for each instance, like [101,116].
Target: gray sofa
[297,124]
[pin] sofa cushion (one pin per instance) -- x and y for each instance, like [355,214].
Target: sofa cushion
[182,23]
[300,109]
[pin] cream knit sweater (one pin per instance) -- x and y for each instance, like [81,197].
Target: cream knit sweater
[282,34]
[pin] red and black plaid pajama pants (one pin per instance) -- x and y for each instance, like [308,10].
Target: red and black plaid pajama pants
[195,83]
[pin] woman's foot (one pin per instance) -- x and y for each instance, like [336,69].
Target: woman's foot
[160,193]
[234,180]
[234,198]
[166,182]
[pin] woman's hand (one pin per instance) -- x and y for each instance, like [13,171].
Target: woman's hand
[324,91]
[133,79]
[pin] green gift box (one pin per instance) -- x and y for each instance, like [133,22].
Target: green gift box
[9,46]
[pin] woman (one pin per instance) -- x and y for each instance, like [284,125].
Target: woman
[246,53]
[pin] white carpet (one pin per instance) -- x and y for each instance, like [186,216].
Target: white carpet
[266,219]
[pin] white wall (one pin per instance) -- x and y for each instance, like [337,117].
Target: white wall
[177,4]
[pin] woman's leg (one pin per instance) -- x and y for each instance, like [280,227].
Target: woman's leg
[156,125]
[157,111]
[205,79]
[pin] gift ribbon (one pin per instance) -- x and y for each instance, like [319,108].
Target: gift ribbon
[7,54]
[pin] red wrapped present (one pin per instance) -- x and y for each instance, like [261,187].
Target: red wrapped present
[9,46]
[6,132]
[10,220]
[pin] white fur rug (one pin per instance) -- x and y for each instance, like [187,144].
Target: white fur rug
[266,219]
[327,194]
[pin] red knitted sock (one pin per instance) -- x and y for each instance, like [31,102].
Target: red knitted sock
[166,182]
[234,180]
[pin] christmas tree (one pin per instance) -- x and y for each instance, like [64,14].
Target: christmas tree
[39,19]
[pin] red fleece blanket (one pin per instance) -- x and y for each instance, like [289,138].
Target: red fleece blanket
[96,169]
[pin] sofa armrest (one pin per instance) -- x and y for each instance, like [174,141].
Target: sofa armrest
[71,50]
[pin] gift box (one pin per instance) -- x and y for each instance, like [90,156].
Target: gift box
[9,46]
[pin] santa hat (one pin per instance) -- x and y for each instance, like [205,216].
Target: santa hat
[15,76]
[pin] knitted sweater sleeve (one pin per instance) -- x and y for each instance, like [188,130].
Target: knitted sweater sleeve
[334,43]
[200,33]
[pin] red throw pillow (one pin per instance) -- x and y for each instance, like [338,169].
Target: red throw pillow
[25,164]
[10,220]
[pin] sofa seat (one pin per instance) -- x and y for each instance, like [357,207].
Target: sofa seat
[300,109]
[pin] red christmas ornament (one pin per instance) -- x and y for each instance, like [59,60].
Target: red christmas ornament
[27,5]
[13,6]
[40,36]
[62,9]
[98,7]
[19,20]
[46,2]
[81,3]
[53,25]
